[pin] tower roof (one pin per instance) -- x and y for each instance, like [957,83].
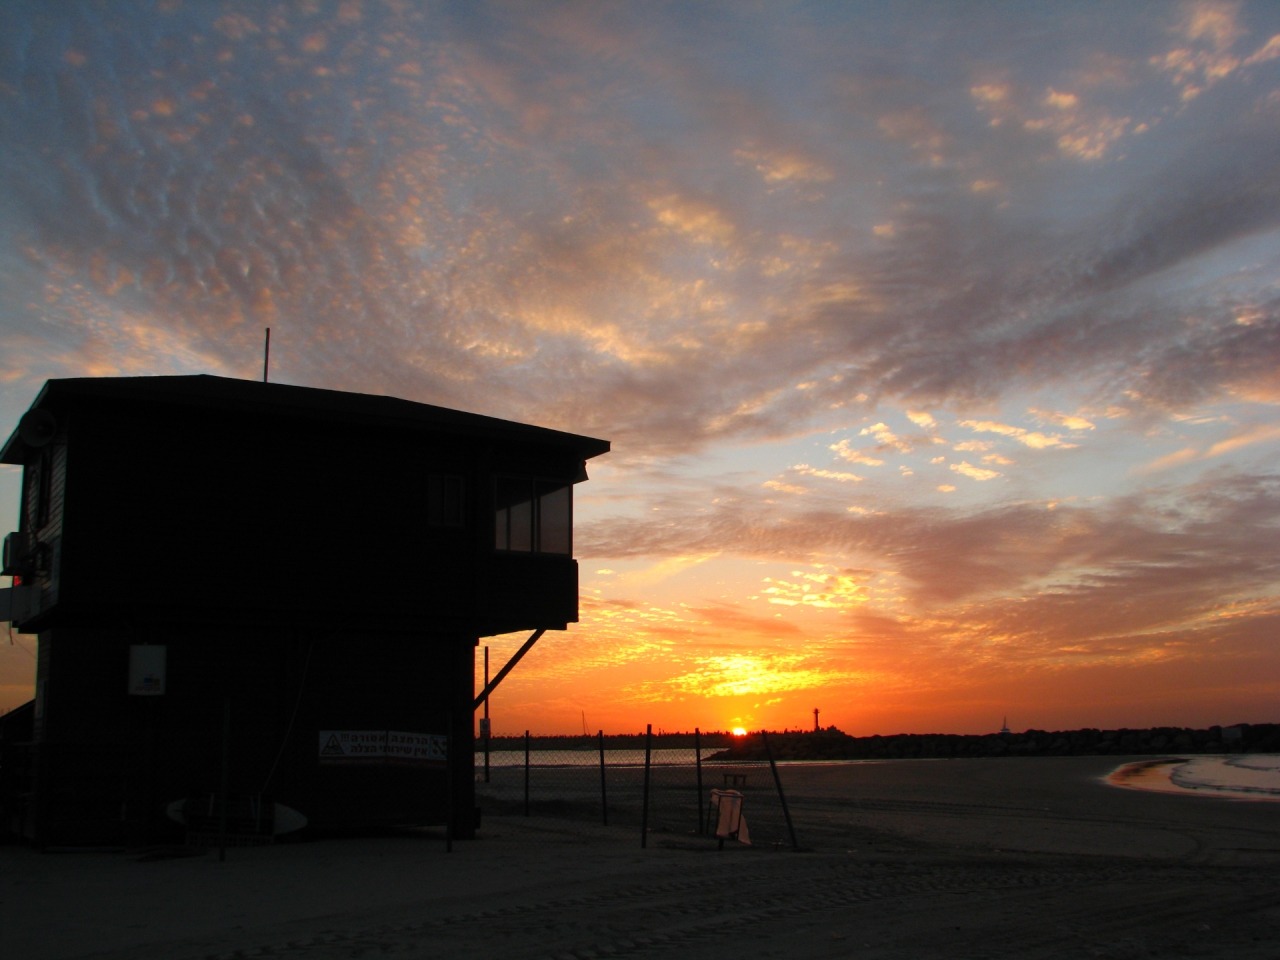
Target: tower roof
[255,397]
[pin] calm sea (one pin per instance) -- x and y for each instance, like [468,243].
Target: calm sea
[1249,776]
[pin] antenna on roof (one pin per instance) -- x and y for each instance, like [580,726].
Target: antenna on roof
[266,356]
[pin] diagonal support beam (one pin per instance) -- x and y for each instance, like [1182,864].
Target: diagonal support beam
[528,645]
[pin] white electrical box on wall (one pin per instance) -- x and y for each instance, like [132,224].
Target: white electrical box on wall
[146,670]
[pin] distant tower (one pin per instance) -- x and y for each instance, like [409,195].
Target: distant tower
[1005,727]
[815,719]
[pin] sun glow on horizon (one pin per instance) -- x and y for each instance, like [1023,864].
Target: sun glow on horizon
[739,731]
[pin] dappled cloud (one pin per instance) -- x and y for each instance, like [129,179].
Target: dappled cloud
[416,209]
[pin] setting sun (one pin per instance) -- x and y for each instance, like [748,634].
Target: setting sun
[739,731]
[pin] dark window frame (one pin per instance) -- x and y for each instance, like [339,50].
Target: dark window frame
[535,523]
[37,492]
[44,506]
[446,501]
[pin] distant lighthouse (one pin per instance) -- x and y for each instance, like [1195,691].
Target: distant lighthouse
[815,719]
[1005,727]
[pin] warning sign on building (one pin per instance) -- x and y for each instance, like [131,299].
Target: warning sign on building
[353,745]
[383,746]
[416,747]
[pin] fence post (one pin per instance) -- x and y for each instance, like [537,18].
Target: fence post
[644,815]
[777,782]
[526,773]
[604,797]
[697,759]
[226,750]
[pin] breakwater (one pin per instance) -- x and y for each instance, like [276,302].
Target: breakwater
[620,741]
[833,744]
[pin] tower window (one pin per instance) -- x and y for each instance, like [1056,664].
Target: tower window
[533,516]
[39,490]
[444,500]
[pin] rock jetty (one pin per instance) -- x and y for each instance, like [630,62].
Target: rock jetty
[834,744]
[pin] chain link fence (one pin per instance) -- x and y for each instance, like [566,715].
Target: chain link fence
[653,785]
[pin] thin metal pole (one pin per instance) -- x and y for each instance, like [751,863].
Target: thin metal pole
[777,782]
[266,356]
[448,785]
[486,716]
[526,773]
[644,815]
[226,749]
[697,760]
[604,797]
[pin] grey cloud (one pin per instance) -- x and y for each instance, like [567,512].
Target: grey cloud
[1223,187]
[987,307]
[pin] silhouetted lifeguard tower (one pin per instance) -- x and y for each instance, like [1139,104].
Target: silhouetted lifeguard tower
[322,562]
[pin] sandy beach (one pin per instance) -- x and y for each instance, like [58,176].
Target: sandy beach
[1035,857]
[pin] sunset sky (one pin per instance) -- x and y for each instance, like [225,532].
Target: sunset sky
[938,344]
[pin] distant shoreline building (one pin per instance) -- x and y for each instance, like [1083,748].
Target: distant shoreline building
[288,578]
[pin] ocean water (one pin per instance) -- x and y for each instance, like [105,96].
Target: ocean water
[1252,776]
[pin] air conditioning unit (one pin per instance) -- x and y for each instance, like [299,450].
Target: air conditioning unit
[19,555]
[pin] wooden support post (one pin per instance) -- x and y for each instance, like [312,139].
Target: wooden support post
[777,782]
[449,761]
[149,822]
[526,773]
[222,805]
[644,814]
[516,658]
[697,760]
[486,715]
[604,796]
